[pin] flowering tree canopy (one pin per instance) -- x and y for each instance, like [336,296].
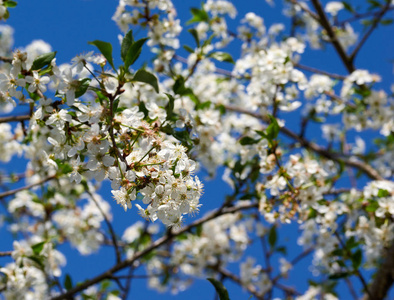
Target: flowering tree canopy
[221,97]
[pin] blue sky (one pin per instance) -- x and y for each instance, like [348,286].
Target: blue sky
[69,25]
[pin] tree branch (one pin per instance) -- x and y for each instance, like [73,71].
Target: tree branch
[12,192]
[331,34]
[161,241]
[357,16]
[352,161]
[110,228]
[314,70]
[356,271]
[5,253]
[14,118]
[250,288]
[384,277]
[6,59]
[305,9]
[369,32]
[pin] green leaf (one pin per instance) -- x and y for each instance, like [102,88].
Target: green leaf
[199,15]
[82,87]
[128,40]
[383,193]
[179,87]
[170,105]
[38,260]
[282,250]
[184,137]
[222,56]
[10,4]
[194,33]
[188,49]
[68,284]
[204,105]
[37,248]
[374,3]
[348,6]
[64,168]
[351,243]
[149,78]
[272,129]
[337,252]
[208,41]
[372,206]
[261,133]
[105,49]
[272,236]
[43,60]
[357,259]
[246,140]
[386,22]
[105,284]
[220,289]
[6,15]
[199,230]
[134,52]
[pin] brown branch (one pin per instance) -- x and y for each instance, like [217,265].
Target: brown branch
[369,32]
[14,118]
[314,70]
[250,288]
[5,253]
[337,191]
[6,59]
[295,260]
[351,288]
[302,255]
[340,100]
[286,289]
[217,70]
[305,8]
[161,241]
[352,161]
[110,228]
[12,192]
[384,277]
[357,16]
[323,20]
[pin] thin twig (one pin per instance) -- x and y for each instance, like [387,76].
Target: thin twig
[250,288]
[110,228]
[369,32]
[314,70]
[358,16]
[304,7]
[302,255]
[288,290]
[338,191]
[5,253]
[351,288]
[357,272]
[12,192]
[217,70]
[323,20]
[351,161]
